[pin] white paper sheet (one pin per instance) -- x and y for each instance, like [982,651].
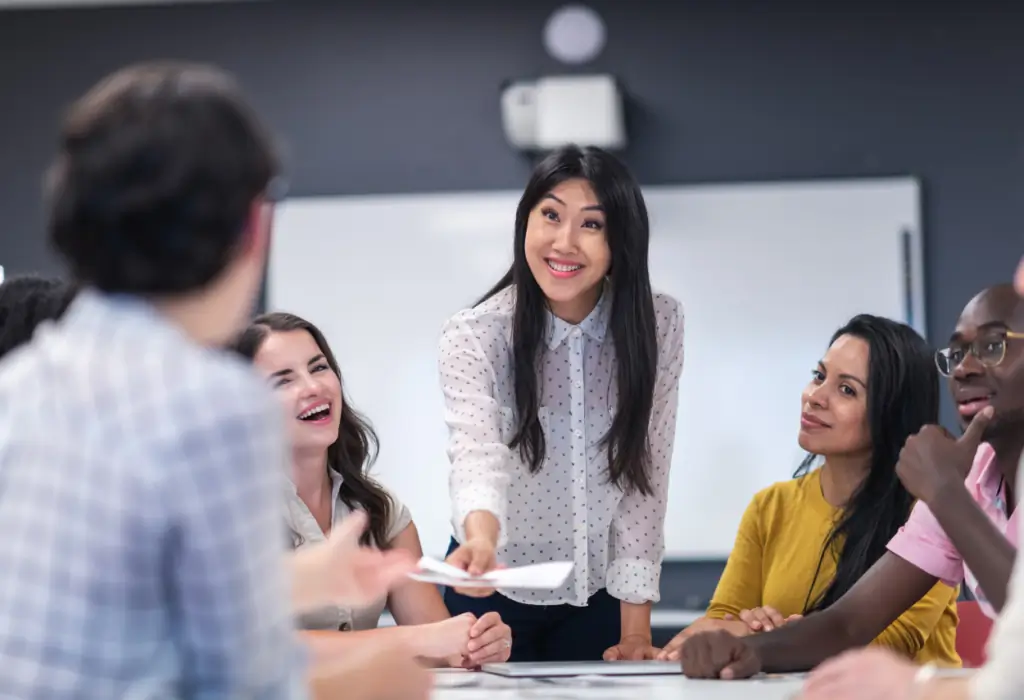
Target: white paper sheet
[547,576]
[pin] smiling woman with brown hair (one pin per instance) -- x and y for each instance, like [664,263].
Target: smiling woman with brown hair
[332,448]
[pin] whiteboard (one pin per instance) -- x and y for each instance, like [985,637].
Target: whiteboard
[766,273]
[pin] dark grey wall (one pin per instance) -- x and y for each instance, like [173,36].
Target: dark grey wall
[400,96]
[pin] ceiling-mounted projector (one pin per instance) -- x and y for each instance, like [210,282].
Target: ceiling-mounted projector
[545,114]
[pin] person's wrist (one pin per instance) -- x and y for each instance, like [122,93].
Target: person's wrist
[753,644]
[416,639]
[482,526]
[948,493]
[637,636]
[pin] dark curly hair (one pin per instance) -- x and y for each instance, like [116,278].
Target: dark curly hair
[27,301]
[155,178]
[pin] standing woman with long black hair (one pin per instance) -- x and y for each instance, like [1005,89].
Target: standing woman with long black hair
[561,387]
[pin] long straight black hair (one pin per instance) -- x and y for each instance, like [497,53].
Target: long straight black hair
[355,450]
[902,397]
[632,321]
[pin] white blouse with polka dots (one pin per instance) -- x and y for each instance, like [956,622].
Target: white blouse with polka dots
[568,510]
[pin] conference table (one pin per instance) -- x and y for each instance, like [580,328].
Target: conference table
[453,684]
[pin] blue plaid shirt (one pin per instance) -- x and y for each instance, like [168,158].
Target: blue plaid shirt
[141,553]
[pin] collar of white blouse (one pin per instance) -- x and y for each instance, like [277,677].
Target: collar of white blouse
[595,325]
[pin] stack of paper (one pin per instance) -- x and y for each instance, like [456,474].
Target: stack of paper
[548,576]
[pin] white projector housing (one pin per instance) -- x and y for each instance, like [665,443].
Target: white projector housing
[551,112]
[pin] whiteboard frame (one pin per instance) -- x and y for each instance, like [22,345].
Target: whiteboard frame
[474,205]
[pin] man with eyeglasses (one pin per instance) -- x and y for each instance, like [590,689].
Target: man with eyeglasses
[964,527]
[874,674]
[984,363]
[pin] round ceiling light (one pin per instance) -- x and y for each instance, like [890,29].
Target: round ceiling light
[574,34]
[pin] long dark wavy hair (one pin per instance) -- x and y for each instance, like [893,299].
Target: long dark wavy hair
[355,450]
[903,397]
[632,322]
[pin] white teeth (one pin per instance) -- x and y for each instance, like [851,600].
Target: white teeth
[559,267]
[322,408]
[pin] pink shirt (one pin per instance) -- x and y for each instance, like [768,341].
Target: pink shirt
[923,543]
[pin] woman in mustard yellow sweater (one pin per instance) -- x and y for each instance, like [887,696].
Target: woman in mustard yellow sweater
[803,543]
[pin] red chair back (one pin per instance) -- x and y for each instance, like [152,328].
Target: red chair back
[972,633]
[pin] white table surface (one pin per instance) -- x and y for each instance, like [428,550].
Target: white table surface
[489,687]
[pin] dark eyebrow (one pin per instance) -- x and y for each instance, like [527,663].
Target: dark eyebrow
[852,378]
[592,207]
[990,326]
[283,372]
[848,377]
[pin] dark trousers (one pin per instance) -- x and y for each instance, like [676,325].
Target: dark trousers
[549,632]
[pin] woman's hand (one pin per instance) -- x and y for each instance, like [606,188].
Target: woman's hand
[340,571]
[447,639]
[490,641]
[636,647]
[764,618]
[476,556]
